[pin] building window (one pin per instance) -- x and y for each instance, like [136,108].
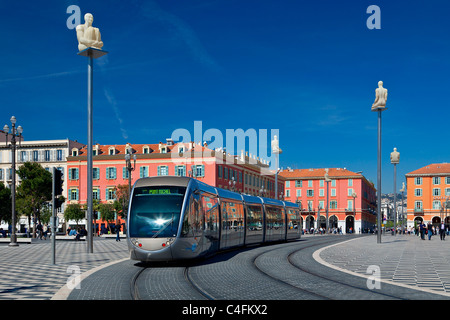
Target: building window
[95,173]
[333,183]
[298,183]
[143,172]
[418,181]
[73,194]
[96,194]
[125,173]
[163,170]
[310,205]
[349,192]
[74,152]
[111,173]
[321,204]
[299,192]
[47,155]
[436,192]
[350,182]
[146,150]
[288,193]
[447,191]
[110,194]
[310,193]
[310,183]
[350,205]
[112,151]
[436,180]
[321,192]
[180,171]
[199,170]
[219,170]
[73,173]
[23,156]
[333,204]
[333,192]
[288,184]
[436,205]
[35,155]
[418,205]
[59,155]
[418,192]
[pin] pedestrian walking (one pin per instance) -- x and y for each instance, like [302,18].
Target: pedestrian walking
[422,228]
[118,232]
[442,231]
[430,230]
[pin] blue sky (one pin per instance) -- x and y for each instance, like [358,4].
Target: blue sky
[306,68]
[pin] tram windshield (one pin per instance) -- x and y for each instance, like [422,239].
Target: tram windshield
[155,211]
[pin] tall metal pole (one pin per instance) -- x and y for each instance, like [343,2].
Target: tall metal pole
[53,218]
[90,245]
[395,199]
[379,180]
[13,242]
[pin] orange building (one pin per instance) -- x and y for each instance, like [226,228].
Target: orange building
[352,199]
[428,192]
[215,168]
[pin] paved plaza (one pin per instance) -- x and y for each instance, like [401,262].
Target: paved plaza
[27,272]
[402,259]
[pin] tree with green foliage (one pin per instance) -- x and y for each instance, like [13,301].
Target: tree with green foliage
[35,188]
[5,203]
[107,213]
[74,211]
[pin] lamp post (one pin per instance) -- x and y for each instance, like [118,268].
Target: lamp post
[232,184]
[402,190]
[379,106]
[395,159]
[90,46]
[327,180]
[15,132]
[130,169]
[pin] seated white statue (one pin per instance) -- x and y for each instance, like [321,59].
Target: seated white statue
[380,97]
[87,35]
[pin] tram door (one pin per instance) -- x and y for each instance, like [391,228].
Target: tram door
[209,208]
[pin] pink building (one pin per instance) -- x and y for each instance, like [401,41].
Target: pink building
[180,159]
[352,199]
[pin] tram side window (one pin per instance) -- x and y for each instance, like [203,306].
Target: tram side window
[192,223]
[254,218]
[210,212]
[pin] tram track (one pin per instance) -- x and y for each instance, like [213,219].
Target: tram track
[331,281]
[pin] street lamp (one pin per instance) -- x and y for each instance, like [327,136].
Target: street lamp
[395,159]
[90,46]
[402,190]
[232,184]
[130,169]
[15,132]
[327,180]
[379,106]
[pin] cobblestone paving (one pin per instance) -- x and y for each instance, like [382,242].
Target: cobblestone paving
[404,259]
[27,272]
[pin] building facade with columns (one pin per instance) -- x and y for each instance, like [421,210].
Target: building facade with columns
[351,198]
[428,195]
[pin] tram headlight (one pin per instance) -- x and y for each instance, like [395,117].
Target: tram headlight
[136,242]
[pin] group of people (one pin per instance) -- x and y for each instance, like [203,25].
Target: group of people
[81,232]
[430,230]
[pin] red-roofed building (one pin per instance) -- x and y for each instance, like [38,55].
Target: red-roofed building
[215,168]
[428,191]
[352,199]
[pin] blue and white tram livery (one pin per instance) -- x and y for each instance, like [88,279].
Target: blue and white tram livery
[176,218]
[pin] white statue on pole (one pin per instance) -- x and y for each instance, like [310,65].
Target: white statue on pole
[380,97]
[276,145]
[87,35]
[395,156]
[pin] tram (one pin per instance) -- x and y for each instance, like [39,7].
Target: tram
[176,218]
